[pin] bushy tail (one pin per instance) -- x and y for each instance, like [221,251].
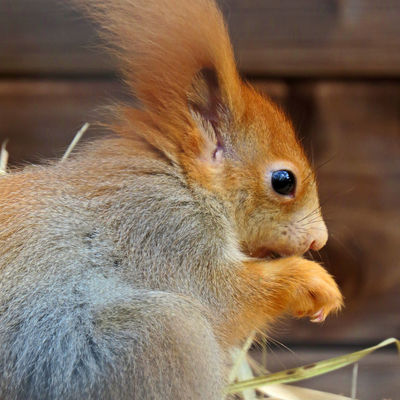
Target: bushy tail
[162,45]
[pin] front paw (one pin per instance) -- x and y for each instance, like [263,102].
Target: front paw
[316,295]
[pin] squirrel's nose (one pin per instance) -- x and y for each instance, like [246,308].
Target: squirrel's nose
[319,236]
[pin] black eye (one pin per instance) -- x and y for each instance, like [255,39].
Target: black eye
[283,182]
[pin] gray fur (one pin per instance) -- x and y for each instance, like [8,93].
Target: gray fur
[109,297]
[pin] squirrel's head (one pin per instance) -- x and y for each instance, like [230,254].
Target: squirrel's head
[194,109]
[252,160]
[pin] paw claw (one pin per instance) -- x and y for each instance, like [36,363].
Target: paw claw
[318,316]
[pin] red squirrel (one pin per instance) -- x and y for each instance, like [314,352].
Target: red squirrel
[130,270]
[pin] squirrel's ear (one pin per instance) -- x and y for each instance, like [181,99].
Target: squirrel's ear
[208,108]
[204,96]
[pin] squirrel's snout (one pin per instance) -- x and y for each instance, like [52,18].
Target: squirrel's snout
[319,236]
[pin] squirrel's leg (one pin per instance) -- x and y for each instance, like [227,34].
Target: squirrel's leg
[163,348]
[268,289]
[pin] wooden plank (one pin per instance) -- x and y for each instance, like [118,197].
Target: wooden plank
[358,124]
[47,37]
[271,37]
[317,38]
[40,118]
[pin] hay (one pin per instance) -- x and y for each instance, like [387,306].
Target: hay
[272,384]
[75,141]
[3,158]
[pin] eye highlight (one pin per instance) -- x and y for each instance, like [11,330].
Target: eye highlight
[283,182]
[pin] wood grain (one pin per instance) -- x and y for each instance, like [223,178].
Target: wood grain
[271,38]
[354,125]
[40,118]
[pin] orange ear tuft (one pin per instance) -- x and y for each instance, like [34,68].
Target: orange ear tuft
[163,45]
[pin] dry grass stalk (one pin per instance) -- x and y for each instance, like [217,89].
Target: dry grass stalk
[75,141]
[3,158]
[272,384]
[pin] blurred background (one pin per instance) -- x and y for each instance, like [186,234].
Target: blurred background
[334,66]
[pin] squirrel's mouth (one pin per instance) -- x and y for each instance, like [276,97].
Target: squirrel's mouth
[264,252]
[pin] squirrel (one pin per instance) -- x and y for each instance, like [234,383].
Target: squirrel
[131,269]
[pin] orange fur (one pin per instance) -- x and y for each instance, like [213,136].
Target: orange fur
[161,46]
[269,290]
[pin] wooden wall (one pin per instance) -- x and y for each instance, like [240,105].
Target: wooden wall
[279,38]
[333,65]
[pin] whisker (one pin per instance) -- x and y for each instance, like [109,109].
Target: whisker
[313,221]
[319,256]
[315,229]
[315,169]
[344,247]
[326,162]
[311,213]
[271,351]
[278,343]
[324,202]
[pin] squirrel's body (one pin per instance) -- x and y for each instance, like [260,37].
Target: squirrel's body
[97,244]
[129,270]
